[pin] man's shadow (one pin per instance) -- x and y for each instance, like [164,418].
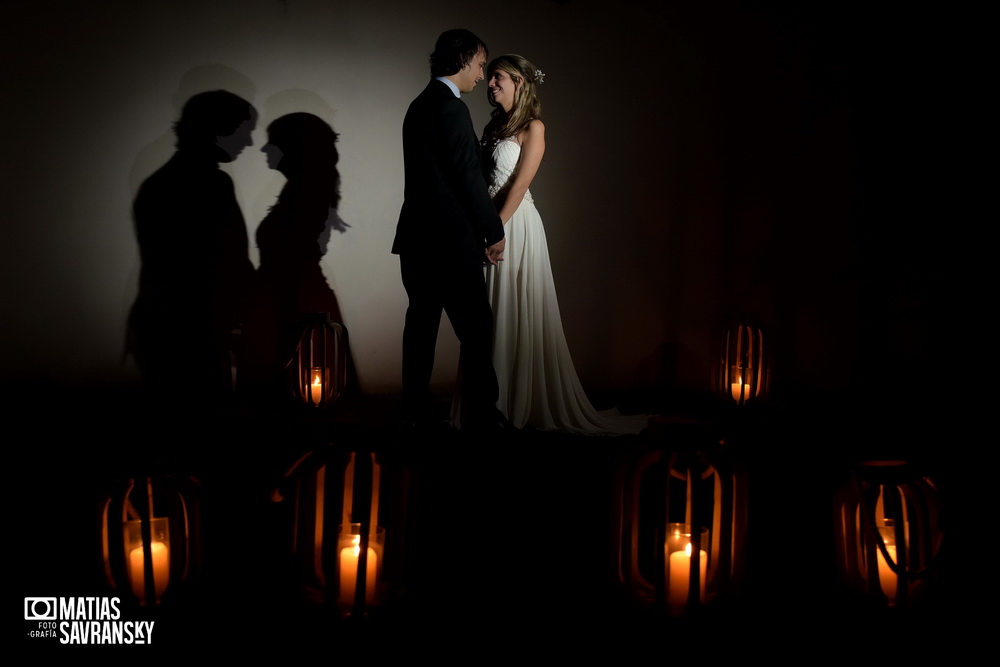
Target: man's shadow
[195,274]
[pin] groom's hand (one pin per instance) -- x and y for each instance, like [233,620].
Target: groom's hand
[494,253]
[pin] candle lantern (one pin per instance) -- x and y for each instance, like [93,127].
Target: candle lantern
[679,525]
[888,532]
[149,536]
[338,503]
[744,364]
[320,361]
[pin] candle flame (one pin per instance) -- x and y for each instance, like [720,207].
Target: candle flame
[687,549]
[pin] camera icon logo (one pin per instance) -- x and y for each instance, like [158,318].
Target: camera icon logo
[40,609]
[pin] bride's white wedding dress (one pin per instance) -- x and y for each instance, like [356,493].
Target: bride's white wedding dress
[539,387]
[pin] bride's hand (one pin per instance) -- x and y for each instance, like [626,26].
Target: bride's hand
[494,253]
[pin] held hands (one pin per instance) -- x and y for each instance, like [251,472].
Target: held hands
[494,253]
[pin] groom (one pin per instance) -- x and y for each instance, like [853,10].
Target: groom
[447,225]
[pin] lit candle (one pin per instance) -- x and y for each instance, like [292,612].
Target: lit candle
[886,577]
[739,390]
[161,569]
[349,557]
[317,386]
[680,577]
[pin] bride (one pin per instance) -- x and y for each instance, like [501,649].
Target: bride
[539,387]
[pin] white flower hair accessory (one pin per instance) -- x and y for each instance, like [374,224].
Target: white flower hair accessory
[539,76]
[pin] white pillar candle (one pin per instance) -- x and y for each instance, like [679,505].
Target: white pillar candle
[679,577]
[161,569]
[349,557]
[886,577]
[317,386]
[737,390]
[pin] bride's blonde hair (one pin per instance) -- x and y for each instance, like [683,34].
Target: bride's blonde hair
[526,107]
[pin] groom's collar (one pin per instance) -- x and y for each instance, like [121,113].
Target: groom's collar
[450,84]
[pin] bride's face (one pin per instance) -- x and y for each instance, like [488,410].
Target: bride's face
[501,89]
[273,154]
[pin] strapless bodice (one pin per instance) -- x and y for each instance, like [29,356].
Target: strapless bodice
[506,154]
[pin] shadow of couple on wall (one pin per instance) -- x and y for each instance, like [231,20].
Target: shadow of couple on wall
[206,329]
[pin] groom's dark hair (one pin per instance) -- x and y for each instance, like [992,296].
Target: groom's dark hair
[216,113]
[454,50]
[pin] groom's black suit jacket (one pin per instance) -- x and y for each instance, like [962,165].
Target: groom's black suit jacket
[447,211]
[446,222]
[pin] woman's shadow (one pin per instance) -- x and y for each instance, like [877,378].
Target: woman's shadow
[292,239]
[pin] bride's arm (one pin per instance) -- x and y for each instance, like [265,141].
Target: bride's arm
[532,149]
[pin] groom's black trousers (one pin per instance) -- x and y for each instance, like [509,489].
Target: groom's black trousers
[458,288]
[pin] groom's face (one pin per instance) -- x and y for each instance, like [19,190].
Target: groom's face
[234,143]
[471,74]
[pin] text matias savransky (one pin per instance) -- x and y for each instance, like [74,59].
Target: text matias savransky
[94,620]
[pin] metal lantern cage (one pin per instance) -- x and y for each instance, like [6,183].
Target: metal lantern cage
[680,521]
[345,526]
[744,369]
[889,531]
[150,536]
[320,361]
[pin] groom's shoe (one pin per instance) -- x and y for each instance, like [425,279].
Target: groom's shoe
[494,425]
[503,424]
[423,420]
[424,426]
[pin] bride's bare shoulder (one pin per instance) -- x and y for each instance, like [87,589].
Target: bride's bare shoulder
[534,130]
